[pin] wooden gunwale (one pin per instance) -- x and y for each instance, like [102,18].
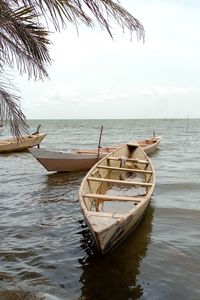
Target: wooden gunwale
[125,169]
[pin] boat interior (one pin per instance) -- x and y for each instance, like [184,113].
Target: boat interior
[119,182]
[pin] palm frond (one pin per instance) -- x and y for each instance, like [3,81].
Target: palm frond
[10,112]
[24,43]
[63,11]
[24,40]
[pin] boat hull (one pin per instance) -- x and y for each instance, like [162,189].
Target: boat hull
[115,193]
[64,162]
[14,145]
[108,240]
[81,160]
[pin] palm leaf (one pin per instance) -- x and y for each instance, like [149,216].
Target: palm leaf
[10,111]
[60,12]
[24,40]
[23,43]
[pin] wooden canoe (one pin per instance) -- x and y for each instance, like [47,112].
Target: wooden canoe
[115,193]
[25,142]
[81,160]
[149,146]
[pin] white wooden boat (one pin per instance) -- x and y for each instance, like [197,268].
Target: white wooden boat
[115,194]
[81,160]
[25,142]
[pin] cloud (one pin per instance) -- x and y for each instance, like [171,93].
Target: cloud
[91,69]
[164,90]
[62,95]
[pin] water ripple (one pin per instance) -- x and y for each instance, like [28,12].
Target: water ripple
[46,250]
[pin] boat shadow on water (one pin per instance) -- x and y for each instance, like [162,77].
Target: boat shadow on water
[117,274]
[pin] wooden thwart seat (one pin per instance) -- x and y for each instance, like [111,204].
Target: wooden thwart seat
[145,184]
[125,169]
[4,142]
[145,144]
[114,197]
[105,214]
[129,159]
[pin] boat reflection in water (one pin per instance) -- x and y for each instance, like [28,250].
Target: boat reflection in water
[116,275]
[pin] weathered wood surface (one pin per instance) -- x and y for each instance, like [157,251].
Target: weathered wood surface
[25,142]
[81,160]
[112,216]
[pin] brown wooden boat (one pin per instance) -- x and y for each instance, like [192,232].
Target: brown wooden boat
[25,142]
[115,194]
[81,160]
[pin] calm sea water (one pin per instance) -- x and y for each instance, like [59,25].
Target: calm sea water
[45,246]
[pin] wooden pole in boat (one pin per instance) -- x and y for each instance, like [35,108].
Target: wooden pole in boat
[99,145]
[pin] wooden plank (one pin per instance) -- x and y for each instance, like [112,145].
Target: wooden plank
[144,144]
[125,169]
[119,181]
[129,159]
[105,214]
[4,142]
[114,197]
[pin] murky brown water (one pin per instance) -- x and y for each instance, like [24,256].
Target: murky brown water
[45,247]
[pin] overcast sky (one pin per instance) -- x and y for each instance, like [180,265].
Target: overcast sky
[93,76]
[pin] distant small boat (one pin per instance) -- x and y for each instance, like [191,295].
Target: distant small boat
[115,193]
[25,142]
[81,160]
